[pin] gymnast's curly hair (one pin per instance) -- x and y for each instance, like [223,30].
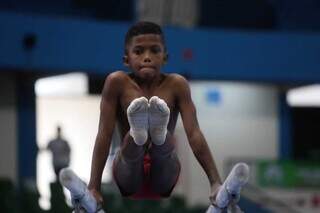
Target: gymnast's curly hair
[141,28]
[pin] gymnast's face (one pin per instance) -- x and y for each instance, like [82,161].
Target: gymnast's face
[145,55]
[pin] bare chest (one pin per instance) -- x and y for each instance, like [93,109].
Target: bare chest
[133,92]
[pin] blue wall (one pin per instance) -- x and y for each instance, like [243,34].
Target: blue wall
[97,47]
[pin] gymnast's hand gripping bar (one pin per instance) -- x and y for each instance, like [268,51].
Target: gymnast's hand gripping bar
[82,200]
[231,188]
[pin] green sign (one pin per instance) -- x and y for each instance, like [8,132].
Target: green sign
[288,174]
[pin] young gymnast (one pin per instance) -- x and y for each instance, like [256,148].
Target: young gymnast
[144,105]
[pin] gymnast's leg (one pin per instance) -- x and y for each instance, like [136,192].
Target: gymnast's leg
[128,164]
[165,166]
[128,167]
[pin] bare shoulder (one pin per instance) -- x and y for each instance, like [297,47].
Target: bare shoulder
[179,82]
[116,77]
[114,81]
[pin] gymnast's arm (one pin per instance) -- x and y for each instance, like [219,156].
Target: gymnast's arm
[108,111]
[196,139]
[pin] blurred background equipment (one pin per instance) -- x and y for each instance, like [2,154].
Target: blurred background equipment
[253,67]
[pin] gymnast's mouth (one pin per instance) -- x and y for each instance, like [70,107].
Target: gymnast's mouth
[147,68]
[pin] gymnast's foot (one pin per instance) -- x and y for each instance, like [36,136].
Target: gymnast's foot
[137,113]
[159,114]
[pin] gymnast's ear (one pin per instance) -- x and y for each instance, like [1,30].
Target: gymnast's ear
[125,60]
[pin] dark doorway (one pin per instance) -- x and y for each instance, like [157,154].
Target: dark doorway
[306,133]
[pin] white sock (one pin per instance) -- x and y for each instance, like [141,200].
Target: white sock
[137,113]
[159,114]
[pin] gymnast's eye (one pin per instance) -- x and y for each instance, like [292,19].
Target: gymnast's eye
[138,50]
[155,49]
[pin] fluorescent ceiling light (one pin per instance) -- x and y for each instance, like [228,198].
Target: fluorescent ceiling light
[304,96]
[73,84]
